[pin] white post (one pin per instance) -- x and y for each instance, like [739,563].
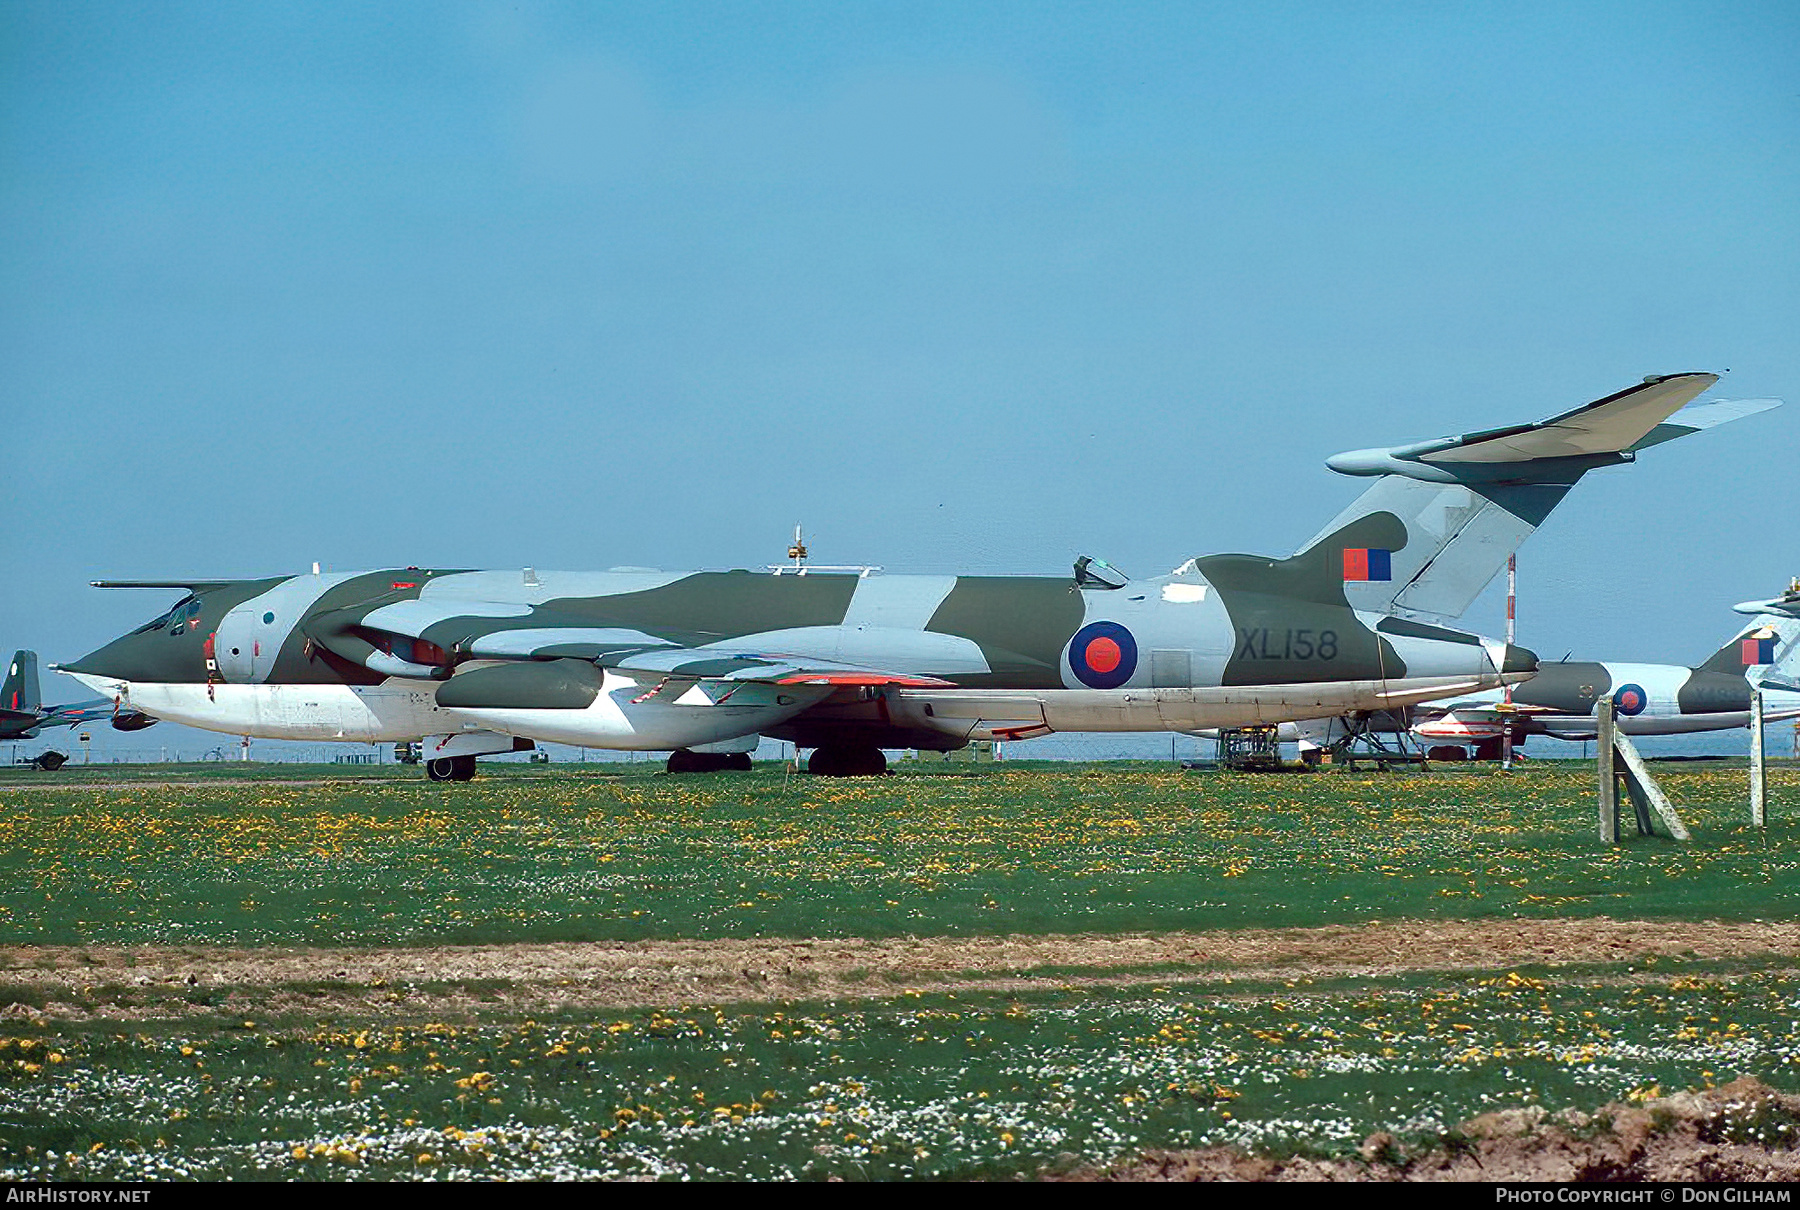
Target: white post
[1609,786]
[1758,790]
[1638,773]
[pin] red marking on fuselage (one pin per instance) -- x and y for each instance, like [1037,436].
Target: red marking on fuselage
[862,678]
[1102,655]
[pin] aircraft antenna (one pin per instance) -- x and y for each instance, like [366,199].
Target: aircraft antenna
[799,566]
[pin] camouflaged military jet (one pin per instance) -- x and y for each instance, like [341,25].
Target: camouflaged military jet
[703,663]
[23,713]
[1648,699]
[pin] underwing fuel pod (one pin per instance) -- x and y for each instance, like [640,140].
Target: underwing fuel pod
[847,664]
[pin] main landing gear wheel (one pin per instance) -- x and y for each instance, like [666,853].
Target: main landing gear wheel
[847,760]
[450,768]
[684,761]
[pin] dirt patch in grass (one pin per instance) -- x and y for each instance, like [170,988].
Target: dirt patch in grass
[140,982]
[1744,1131]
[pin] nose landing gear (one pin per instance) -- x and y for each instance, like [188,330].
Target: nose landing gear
[450,768]
[847,760]
[683,760]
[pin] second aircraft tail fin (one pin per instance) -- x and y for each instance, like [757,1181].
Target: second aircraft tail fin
[20,693]
[1769,647]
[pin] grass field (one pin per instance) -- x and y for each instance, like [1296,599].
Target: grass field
[1060,849]
[218,1081]
[918,1085]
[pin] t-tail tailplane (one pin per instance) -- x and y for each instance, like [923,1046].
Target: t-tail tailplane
[1443,516]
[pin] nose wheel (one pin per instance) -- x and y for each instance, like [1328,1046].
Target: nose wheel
[684,761]
[450,768]
[847,760]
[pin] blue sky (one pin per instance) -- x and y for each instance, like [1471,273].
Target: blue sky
[962,287]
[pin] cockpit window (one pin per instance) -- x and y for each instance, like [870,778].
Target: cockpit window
[188,606]
[170,616]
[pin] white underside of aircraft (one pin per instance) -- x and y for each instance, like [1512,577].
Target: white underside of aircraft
[399,710]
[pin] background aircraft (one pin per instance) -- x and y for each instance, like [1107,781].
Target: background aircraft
[1650,699]
[704,663]
[23,714]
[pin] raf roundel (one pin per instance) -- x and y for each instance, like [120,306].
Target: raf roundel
[1630,699]
[1103,655]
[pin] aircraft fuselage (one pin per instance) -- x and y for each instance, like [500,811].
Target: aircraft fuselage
[573,657]
[1648,699]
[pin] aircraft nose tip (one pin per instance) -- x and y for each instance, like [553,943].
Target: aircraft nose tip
[1519,659]
[85,664]
[127,659]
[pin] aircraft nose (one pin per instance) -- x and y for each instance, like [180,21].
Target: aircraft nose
[153,656]
[113,660]
[1512,663]
[1518,660]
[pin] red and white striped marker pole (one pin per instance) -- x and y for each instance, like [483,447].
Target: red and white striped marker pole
[1512,596]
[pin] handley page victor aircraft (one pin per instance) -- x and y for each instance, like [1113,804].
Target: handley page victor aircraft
[702,663]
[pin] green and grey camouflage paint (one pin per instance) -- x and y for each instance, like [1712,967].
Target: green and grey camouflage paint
[655,660]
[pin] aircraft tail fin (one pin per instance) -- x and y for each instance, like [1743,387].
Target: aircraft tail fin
[1768,649]
[1443,516]
[20,693]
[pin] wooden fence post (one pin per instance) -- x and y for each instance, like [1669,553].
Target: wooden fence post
[1609,785]
[1758,788]
[1644,790]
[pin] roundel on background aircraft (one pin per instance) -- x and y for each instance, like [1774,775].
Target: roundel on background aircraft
[1630,699]
[1103,655]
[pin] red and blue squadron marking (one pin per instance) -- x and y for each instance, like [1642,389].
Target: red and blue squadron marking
[1362,564]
